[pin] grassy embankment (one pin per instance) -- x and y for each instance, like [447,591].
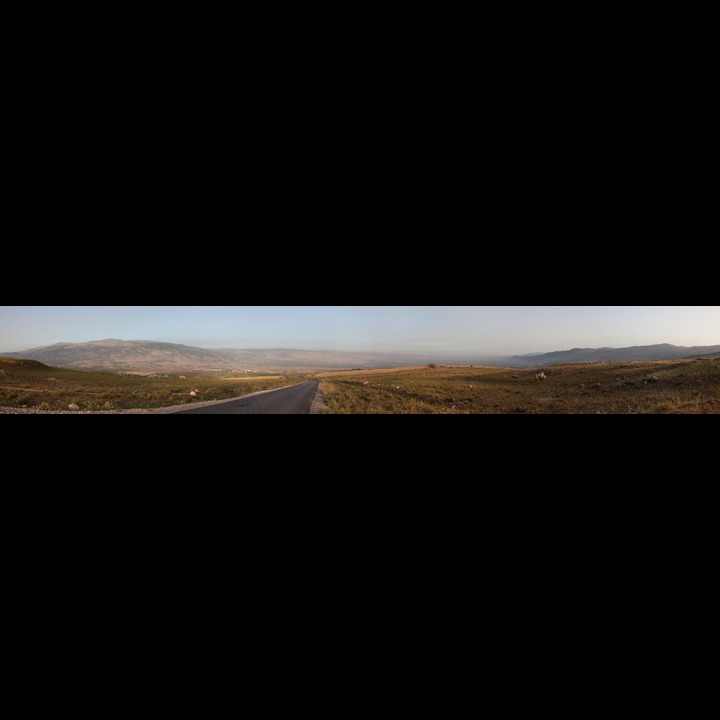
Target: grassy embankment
[687,386]
[32,384]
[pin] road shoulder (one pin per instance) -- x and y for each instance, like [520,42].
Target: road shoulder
[318,404]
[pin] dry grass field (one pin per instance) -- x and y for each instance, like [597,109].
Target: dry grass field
[683,387]
[27,383]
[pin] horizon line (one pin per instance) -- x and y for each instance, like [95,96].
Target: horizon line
[419,353]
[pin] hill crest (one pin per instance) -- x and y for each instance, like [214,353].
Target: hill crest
[146,355]
[637,353]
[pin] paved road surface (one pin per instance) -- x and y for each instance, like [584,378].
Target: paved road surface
[288,401]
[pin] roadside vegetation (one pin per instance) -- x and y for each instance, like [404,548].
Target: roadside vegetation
[686,387]
[27,383]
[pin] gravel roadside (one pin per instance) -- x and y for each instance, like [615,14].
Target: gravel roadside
[318,403]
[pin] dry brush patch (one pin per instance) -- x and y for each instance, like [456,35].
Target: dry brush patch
[31,384]
[611,388]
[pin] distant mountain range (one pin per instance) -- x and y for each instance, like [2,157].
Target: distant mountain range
[147,356]
[150,357]
[641,353]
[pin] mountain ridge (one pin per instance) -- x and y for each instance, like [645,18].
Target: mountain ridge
[635,353]
[152,356]
[115,355]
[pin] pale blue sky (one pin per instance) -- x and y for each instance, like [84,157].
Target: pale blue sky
[473,329]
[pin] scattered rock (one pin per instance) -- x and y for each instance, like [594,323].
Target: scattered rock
[194,393]
[73,407]
[516,377]
[653,379]
[541,376]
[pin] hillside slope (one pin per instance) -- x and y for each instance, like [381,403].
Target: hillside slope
[28,384]
[641,353]
[137,355]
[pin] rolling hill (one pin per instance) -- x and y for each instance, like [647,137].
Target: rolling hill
[147,356]
[640,353]
[150,357]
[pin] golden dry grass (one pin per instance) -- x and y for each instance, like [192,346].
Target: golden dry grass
[26,383]
[360,373]
[688,386]
[251,378]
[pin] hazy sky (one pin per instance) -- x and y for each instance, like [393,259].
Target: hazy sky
[473,329]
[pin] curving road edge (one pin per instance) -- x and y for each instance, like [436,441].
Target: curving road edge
[293,400]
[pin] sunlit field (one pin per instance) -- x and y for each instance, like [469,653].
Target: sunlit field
[687,386]
[26,383]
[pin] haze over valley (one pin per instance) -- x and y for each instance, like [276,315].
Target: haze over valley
[149,356]
[446,332]
[360,359]
[155,357]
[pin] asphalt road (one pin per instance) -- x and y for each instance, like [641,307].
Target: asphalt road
[288,401]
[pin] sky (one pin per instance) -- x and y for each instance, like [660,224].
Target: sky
[483,330]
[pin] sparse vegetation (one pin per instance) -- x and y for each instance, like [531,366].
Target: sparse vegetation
[32,384]
[671,387]
[688,386]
